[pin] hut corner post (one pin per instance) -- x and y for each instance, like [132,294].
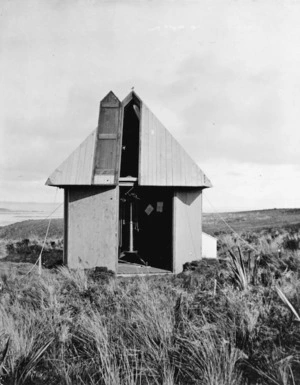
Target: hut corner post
[187,227]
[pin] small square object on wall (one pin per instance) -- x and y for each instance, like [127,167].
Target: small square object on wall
[159,207]
[149,209]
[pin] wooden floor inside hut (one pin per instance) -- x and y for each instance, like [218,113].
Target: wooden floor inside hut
[135,269]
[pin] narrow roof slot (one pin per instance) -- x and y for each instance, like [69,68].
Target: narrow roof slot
[130,141]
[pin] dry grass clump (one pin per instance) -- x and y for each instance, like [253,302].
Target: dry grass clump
[216,326]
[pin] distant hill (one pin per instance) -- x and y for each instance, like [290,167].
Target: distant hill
[32,229]
[242,221]
[255,220]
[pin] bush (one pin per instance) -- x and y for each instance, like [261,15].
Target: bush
[291,243]
[29,251]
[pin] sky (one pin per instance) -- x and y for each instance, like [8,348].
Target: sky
[222,75]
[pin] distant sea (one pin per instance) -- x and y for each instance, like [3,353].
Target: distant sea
[11,212]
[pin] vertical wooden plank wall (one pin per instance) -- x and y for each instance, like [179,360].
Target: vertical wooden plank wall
[93,227]
[187,227]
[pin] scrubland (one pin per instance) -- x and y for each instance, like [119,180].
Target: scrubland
[234,321]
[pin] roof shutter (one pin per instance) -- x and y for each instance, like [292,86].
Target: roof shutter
[108,142]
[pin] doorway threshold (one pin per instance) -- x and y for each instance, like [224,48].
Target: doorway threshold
[131,269]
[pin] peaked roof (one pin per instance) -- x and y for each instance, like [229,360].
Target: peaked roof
[162,160]
[77,169]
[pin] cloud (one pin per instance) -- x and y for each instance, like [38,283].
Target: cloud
[256,186]
[40,141]
[230,113]
[223,78]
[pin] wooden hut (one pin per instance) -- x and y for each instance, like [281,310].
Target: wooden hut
[132,195]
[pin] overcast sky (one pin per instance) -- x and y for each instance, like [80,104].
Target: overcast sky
[223,76]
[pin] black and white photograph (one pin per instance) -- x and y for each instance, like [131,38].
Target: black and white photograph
[149,192]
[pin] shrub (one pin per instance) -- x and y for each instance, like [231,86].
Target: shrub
[291,242]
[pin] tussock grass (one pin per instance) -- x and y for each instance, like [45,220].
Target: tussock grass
[221,328]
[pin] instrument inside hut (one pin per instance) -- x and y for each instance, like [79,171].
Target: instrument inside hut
[145,227]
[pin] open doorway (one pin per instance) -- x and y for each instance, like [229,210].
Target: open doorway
[145,227]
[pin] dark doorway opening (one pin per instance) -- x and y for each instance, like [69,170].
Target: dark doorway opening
[149,213]
[130,140]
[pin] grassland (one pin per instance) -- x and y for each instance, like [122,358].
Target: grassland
[250,221]
[32,229]
[229,322]
[242,221]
